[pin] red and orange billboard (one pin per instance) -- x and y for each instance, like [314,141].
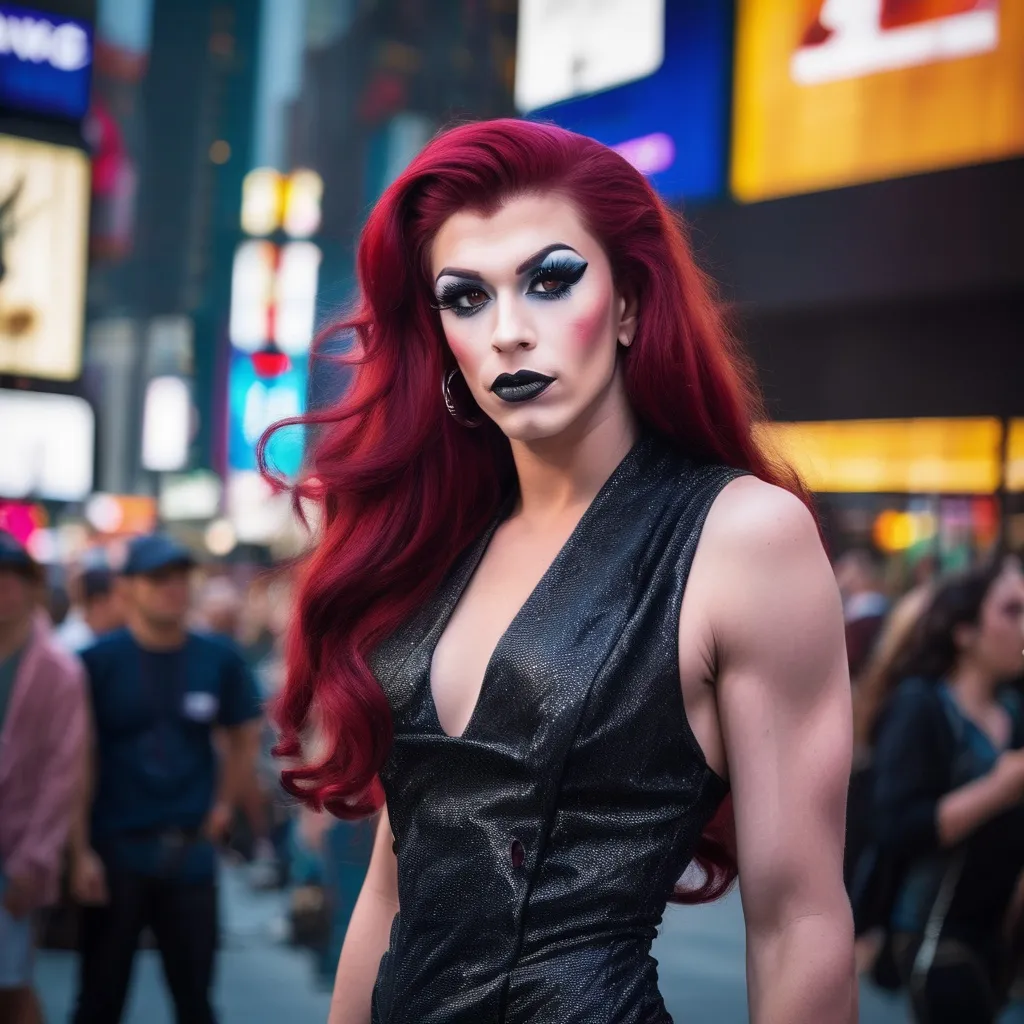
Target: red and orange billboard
[836,92]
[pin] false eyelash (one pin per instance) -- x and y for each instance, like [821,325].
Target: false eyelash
[450,295]
[565,270]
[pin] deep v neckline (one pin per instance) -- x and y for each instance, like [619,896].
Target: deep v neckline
[463,579]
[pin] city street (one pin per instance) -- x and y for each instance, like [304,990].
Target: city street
[262,982]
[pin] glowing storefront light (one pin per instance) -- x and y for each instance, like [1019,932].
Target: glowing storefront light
[303,191]
[166,424]
[261,201]
[921,456]
[297,278]
[252,294]
[53,456]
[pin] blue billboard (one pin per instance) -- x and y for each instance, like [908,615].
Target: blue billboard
[673,124]
[45,63]
[258,399]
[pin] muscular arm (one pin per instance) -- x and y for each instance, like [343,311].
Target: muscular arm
[784,708]
[369,932]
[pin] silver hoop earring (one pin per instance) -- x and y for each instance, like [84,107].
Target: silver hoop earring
[446,382]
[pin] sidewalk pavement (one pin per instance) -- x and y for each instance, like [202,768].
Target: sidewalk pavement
[259,980]
[700,951]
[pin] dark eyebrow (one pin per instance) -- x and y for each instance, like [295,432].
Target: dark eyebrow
[468,275]
[528,264]
[538,257]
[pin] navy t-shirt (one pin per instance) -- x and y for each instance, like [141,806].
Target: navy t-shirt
[155,712]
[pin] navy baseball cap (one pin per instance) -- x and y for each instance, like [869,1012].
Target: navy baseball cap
[155,552]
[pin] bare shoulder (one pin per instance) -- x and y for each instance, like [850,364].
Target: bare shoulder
[762,572]
[752,519]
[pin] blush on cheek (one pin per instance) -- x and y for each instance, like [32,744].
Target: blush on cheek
[589,330]
[462,347]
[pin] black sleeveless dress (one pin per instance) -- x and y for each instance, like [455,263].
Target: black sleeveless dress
[537,851]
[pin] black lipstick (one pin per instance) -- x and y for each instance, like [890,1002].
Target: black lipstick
[520,386]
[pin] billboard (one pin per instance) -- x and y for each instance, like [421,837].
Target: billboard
[835,92]
[45,62]
[53,458]
[258,397]
[44,212]
[680,144]
[913,456]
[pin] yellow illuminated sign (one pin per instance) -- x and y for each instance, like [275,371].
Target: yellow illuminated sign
[835,92]
[926,456]
[44,227]
[1015,456]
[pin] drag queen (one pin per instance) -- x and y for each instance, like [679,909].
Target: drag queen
[561,607]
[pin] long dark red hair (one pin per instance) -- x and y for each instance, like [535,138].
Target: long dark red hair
[402,488]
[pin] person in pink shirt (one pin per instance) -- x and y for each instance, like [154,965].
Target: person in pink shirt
[42,752]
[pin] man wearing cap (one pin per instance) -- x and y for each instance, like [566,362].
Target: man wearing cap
[97,611]
[164,700]
[42,747]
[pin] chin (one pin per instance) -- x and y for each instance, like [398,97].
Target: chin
[531,425]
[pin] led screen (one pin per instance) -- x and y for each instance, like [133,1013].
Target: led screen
[255,402]
[44,62]
[672,123]
[836,92]
[53,456]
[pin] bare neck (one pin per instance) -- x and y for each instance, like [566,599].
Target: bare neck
[157,636]
[564,473]
[14,635]
[974,688]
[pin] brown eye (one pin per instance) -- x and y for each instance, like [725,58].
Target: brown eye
[549,284]
[475,298]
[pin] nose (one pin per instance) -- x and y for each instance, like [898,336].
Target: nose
[512,329]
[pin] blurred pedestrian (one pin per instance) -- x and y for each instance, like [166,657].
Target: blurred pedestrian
[865,605]
[145,853]
[219,611]
[219,607]
[42,743]
[949,796]
[98,610]
[869,888]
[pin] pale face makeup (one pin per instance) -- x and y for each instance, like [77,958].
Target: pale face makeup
[531,314]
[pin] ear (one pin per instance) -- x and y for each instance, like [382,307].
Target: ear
[628,318]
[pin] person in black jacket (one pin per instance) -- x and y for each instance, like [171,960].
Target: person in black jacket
[949,786]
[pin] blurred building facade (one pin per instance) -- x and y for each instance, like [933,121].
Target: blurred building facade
[851,173]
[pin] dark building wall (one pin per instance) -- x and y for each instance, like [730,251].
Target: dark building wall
[899,298]
[943,356]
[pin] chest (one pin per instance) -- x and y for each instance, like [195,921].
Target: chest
[507,576]
[139,693]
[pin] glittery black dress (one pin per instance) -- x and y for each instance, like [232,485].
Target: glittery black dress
[537,851]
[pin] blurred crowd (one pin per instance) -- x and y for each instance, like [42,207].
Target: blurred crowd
[135,755]
[935,842]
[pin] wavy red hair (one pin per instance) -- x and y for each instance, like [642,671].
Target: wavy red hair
[403,489]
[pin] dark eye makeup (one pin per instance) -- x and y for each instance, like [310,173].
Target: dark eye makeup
[551,279]
[563,272]
[462,297]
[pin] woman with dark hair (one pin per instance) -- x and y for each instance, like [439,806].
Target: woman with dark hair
[547,416]
[949,785]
